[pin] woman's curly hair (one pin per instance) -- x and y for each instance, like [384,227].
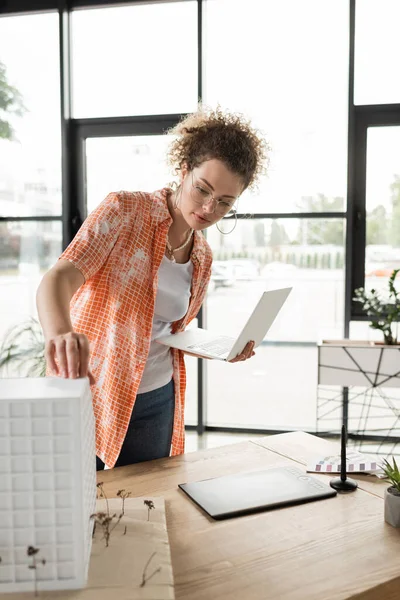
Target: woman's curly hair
[216,134]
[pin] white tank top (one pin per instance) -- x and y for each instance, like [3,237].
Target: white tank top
[172,303]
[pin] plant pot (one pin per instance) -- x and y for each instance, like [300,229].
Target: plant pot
[392,506]
[358,363]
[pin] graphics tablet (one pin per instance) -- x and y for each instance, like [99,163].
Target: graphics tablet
[244,493]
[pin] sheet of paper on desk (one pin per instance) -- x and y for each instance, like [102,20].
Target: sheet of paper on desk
[136,565]
[356,462]
[139,549]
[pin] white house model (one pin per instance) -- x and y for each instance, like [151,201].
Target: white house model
[47,483]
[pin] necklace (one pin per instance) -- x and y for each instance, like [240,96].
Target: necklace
[171,251]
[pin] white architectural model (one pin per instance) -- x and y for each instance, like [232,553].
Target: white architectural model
[47,483]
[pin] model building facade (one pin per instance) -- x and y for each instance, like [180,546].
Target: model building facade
[47,482]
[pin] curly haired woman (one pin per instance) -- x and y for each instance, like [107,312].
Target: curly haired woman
[137,270]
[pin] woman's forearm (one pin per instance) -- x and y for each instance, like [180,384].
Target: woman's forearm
[67,352]
[53,299]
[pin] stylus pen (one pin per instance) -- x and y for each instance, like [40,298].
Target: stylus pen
[343,455]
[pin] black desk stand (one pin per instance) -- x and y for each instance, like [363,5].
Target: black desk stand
[342,483]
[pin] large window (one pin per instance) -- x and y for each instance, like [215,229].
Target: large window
[125,163]
[27,250]
[276,388]
[383,205]
[290,75]
[377,50]
[30,149]
[317,78]
[135,60]
[30,160]
[285,65]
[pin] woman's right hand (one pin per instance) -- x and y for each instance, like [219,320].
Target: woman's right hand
[67,355]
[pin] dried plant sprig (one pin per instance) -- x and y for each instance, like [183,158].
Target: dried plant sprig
[150,506]
[99,494]
[124,495]
[145,579]
[104,520]
[102,494]
[32,553]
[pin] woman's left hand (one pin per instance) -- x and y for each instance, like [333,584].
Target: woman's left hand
[247,352]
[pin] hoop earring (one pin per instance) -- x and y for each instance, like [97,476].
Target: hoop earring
[228,232]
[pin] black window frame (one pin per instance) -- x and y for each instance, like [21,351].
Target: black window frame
[75,131]
[365,116]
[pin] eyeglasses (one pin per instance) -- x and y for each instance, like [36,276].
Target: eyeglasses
[201,195]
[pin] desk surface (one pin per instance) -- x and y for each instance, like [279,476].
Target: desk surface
[327,550]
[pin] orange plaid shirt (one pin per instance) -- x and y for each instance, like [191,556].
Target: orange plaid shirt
[118,250]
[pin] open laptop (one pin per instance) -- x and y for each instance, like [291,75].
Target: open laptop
[204,343]
[245,493]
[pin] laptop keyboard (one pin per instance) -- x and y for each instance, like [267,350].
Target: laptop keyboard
[219,346]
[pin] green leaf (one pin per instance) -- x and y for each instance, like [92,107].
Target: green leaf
[392,472]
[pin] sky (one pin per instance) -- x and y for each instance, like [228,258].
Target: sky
[282,64]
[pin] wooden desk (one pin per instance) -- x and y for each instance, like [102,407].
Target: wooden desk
[327,550]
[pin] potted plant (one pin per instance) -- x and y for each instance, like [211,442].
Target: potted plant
[384,312]
[392,493]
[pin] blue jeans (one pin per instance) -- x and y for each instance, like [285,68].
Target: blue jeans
[149,431]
